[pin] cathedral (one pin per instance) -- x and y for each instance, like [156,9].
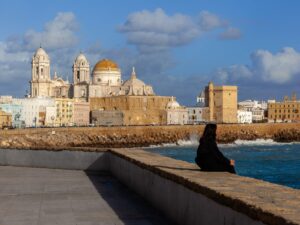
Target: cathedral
[104,81]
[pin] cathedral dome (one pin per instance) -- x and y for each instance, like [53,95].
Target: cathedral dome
[173,104]
[106,65]
[40,52]
[80,57]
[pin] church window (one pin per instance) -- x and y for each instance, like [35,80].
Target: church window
[78,75]
[42,71]
[37,70]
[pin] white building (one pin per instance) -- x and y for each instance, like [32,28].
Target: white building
[34,110]
[244,116]
[258,109]
[195,115]
[50,116]
[41,83]
[176,114]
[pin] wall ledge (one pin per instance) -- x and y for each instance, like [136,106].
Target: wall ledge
[260,200]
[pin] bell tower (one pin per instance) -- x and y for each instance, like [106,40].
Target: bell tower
[40,74]
[81,78]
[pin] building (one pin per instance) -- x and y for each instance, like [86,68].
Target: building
[64,112]
[286,111]
[259,115]
[16,111]
[81,113]
[135,103]
[136,110]
[5,99]
[107,118]
[221,103]
[41,84]
[244,116]
[176,114]
[5,119]
[34,110]
[195,114]
[258,109]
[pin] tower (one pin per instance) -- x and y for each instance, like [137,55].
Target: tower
[81,77]
[40,74]
[81,69]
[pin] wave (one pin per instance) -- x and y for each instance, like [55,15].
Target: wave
[194,141]
[257,142]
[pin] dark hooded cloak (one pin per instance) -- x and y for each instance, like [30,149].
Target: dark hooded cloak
[209,157]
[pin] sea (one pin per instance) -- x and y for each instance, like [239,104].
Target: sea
[267,160]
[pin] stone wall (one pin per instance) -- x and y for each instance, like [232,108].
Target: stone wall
[178,189]
[132,136]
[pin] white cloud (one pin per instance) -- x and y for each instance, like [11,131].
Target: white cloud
[153,31]
[208,21]
[58,38]
[58,33]
[233,73]
[230,33]
[280,68]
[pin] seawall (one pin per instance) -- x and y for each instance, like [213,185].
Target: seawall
[178,189]
[137,136]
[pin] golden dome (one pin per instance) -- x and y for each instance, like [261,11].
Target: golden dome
[106,65]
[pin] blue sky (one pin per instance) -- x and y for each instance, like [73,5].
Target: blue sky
[176,46]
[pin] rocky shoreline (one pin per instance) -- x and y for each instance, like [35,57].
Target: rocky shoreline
[140,136]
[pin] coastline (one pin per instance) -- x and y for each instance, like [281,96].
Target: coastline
[141,136]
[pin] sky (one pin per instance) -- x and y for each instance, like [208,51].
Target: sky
[176,46]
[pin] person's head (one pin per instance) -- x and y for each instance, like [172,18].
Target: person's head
[210,132]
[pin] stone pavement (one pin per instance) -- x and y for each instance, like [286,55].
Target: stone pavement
[34,196]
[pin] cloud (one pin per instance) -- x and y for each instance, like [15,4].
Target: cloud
[280,68]
[58,33]
[209,21]
[154,31]
[230,33]
[58,38]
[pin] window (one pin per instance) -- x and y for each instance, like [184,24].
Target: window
[78,75]
[99,80]
[42,71]
[37,70]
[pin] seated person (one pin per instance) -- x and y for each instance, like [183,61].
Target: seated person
[209,157]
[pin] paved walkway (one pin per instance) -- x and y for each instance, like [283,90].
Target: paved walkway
[32,196]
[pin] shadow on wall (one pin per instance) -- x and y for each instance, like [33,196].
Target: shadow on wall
[125,204]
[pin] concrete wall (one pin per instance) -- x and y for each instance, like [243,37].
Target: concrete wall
[177,188]
[71,160]
[179,203]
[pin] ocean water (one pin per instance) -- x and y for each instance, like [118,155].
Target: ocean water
[262,159]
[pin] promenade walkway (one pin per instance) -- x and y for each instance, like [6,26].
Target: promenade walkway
[33,196]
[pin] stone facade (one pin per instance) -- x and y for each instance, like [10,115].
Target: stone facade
[81,113]
[41,84]
[5,119]
[195,114]
[64,112]
[107,118]
[222,103]
[176,114]
[286,111]
[137,110]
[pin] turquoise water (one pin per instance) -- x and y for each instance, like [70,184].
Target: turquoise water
[265,160]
